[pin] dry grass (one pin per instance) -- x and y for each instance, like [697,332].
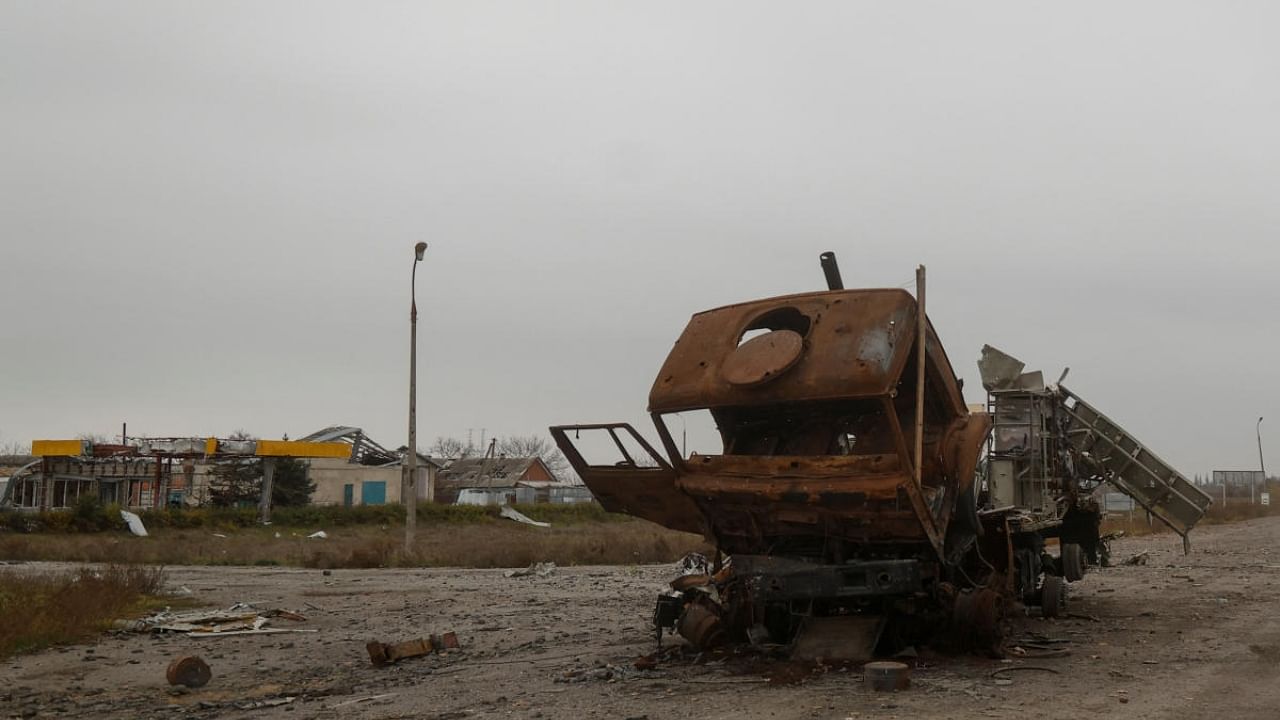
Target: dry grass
[489,544]
[42,609]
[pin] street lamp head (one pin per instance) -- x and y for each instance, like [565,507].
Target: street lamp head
[418,250]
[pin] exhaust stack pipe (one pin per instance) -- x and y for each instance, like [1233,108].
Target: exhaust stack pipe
[832,270]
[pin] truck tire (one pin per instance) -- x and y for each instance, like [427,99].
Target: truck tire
[1072,562]
[1053,596]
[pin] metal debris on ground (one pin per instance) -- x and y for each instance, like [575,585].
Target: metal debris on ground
[542,569]
[511,513]
[381,654]
[607,673]
[1012,668]
[189,671]
[887,676]
[318,535]
[239,619]
[371,698]
[268,703]
[1139,559]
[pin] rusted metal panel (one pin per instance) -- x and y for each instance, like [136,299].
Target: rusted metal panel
[845,639]
[856,345]
[830,370]
[763,358]
[862,338]
[647,492]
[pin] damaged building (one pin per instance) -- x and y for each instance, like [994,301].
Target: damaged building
[503,481]
[346,466]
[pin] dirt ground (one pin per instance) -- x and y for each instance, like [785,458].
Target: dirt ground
[1182,637]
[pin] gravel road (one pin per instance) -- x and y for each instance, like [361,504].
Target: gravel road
[1181,637]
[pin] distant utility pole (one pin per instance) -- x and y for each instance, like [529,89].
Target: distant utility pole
[268,482]
[409,480]
[1261,465]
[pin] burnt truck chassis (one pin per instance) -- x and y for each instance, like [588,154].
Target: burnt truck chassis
[846,509]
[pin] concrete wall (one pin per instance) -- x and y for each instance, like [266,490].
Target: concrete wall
[331,475]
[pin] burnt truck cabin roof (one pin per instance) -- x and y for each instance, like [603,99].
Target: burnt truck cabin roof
[856,344]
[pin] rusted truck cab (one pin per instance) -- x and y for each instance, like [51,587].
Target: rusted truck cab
[844,498]
[815,495]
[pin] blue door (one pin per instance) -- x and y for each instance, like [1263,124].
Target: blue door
[348,495]
[373,493]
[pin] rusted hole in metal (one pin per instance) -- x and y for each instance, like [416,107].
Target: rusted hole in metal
[783,318]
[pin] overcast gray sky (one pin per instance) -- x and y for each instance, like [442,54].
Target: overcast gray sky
[207,210]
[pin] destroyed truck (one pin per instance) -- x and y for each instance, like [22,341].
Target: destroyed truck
[858,505]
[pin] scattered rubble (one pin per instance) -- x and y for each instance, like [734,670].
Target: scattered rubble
[361,700]
[542,569]
[268,703]
[606,673]
[1211,663]
[887,676]
[188,671]
[239,619]
[387,653]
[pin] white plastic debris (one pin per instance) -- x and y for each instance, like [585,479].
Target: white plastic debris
[134,522]
[319,535]
[511,513]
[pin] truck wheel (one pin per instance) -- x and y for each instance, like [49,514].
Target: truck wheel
[1072,562]
[1053,596]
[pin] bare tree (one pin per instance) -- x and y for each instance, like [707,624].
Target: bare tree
[13,447]
[539,446]
[536,446]
[450,448]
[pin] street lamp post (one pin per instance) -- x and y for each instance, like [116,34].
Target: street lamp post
[1261,465]
[409,480]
